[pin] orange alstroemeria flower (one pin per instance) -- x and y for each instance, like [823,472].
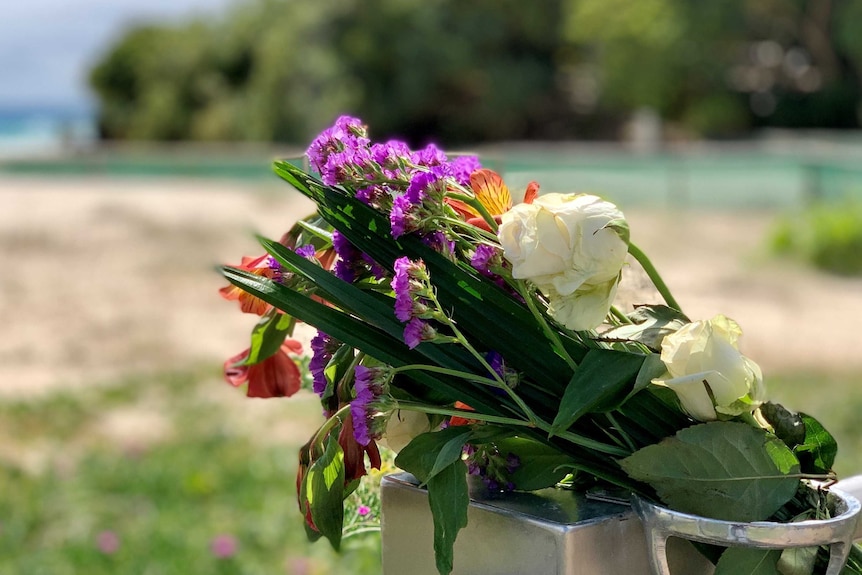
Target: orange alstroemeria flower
[276,376]
[492,193]
[457,420]
[247,302]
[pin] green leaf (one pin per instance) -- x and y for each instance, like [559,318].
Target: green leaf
[449,499]
[429,453]
[652,368]
[797,561]
[324,490]
[748,561]
[540,465]
[601,382]
[817,453]
[268,335]
[788,426]
[651,324]
[723,470]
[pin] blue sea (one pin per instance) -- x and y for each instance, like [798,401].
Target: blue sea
[40,130]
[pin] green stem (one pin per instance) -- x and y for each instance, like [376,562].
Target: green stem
[546,328]
[327,426]
[452,412]
[455,373]
[654,276]
[623,318]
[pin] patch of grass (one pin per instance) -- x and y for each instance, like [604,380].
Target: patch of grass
[156,506]
[826,237]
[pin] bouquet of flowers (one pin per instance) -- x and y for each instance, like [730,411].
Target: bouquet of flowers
[475,335]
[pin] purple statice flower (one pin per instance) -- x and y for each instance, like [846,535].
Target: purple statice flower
[345,166]
[391,157]
[431,184]
[346,133]
[416,331]
[377,270]
[408,283]
[363,510]
[403,218]
[307,251]
[438,242]
[322,350]
[348,255]
[484,258]
[461,168]
[401,284]
[495,360]
[487,462]
[429,156]
[369,385]
[276,269]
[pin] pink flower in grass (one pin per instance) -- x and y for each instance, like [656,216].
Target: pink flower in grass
[223,546]
[108,542]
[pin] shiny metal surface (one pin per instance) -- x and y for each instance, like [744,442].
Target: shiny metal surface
[549,532]
[661,523]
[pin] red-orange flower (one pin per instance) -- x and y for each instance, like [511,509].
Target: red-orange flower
[493,194]
[248,303]
[276,376]
[457,420]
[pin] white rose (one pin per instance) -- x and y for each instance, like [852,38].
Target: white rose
[708,373]
[572,246]
[402,427]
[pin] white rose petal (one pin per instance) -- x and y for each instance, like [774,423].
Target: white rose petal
[564,243]
[703,361]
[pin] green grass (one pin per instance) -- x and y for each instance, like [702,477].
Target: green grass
[63,482]
[827,237]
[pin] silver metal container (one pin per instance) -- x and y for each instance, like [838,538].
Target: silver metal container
[548,532]
[838,532]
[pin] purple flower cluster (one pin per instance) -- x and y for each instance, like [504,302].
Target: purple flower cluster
[322,347]
[352,264]
[487,462]
[410,284]
[485,258]
[369,385]
[336,146]
[389,176]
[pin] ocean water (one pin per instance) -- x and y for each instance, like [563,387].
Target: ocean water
[41,130]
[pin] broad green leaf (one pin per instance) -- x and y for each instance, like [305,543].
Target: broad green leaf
[268,335]
[324,490]
[748,561]
[817,453]
[427,454]
[797,561]
[449,499]
[651,324]
[600,383]
[723,470]
[540,465]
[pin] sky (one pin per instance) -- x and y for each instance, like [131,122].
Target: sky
[47,46]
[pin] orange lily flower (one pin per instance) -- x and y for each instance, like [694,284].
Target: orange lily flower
[276,376]
[247,302]
[458,420]
[492,193]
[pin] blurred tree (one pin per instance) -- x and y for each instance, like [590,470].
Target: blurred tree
[486,69]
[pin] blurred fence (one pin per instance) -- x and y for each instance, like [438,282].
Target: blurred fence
[772,172]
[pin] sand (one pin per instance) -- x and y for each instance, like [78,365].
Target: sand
[104,279]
